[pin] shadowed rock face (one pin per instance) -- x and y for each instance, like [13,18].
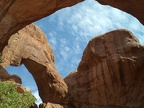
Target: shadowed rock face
[133,7]
[110,73]
[5,76]
[15,14]
[111,70]
[30,47]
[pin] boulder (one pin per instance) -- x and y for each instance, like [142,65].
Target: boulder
[133,7]
[52,105]
[30,47]
[110,74]
[21,89]
[5,76]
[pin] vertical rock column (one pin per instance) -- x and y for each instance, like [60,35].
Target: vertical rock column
[110,74]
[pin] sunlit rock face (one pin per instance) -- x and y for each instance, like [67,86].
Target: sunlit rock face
[15,14]
[133,7]
[52,105]
[110,74]
[30,47]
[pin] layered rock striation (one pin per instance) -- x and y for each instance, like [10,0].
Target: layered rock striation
[110,74]
[30,47]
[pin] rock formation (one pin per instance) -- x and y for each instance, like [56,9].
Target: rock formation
[110,74]
[133,7]
[16,80]
[52,105]
[30,47]
[15,14]
[5,76]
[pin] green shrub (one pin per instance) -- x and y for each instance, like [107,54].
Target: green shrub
[10,98]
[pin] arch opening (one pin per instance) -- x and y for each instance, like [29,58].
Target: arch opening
[27,79]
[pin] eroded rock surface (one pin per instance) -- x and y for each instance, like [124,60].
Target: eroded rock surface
[5,76]
[110,74]
[15,14]
[30,47]
[133,7]
[52,105]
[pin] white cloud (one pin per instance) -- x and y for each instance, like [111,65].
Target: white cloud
[69,31]
[38,101]
[75,26]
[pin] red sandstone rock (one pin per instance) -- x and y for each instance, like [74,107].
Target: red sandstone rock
[133,7]
[5,76]
[52,105]
[21,89]
[110,74]
[15,14]
[15,78]
[30,47]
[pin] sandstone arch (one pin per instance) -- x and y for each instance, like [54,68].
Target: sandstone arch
[15,14]
[30,47]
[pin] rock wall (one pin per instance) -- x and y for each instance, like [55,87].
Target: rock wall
[110,74]
[30,47]
[15,14]
[133,7]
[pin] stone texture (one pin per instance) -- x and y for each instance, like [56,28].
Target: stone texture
[5,76]
[110,74]
[52,105]
[15,14]
[21,89]
[133,7]
[30,47]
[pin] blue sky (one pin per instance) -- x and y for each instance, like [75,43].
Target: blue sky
[69,30]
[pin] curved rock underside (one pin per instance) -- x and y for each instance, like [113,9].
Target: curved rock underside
[110,74]
[15,14]
[30,47]
[133,7]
